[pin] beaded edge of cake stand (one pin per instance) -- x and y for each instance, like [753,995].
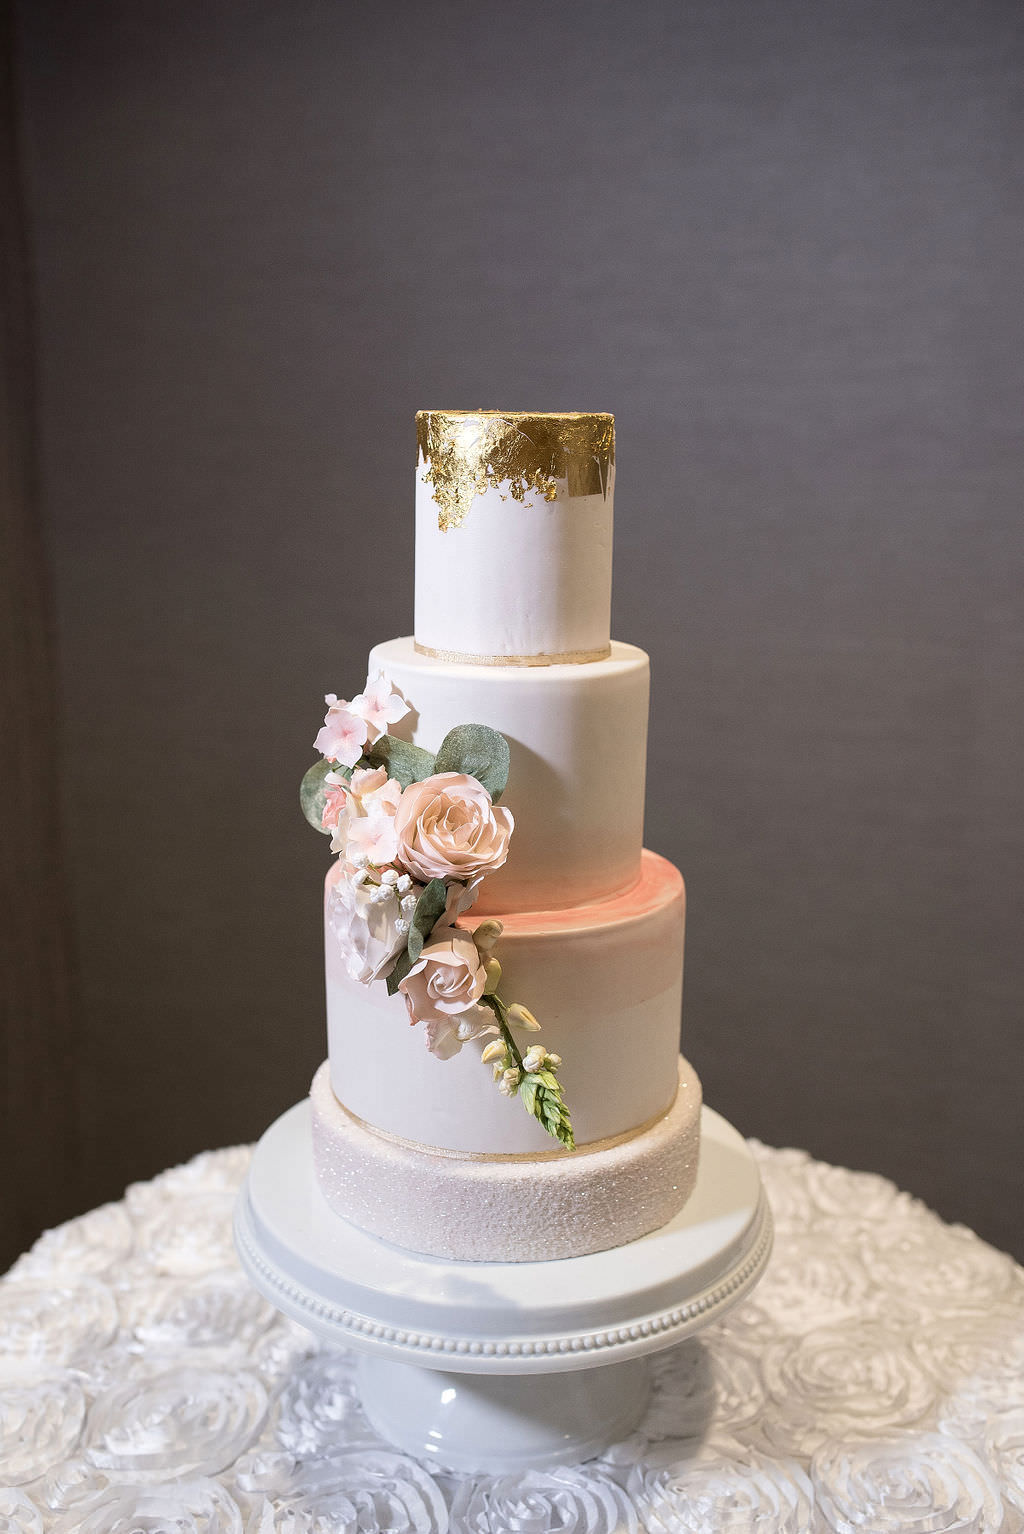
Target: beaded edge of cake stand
[654,1331]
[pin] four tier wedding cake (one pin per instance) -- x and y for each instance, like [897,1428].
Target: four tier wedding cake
[504,960]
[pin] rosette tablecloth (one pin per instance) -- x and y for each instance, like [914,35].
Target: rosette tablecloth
[874,1381]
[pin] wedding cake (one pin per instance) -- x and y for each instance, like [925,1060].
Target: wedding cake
[504,959]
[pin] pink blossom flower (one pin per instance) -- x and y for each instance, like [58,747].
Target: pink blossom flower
[378,705]
[373,836]
[370,826]
[344,733]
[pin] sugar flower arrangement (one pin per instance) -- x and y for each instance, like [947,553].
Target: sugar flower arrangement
[416,834]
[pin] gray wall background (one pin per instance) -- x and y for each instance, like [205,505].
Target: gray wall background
[782,243]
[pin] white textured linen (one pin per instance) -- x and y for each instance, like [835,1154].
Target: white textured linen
[874,1382]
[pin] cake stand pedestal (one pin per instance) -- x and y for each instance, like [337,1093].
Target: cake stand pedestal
[498,1366]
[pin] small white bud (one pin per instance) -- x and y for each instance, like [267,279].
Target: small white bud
[486,935]
[507,1088]
[403,883]
[401,927]
[521,1017]
[408,905]
[498,1072]
[389,876]
[554,1061]
[494,1051]
[492,970]
[358,859]
[511,1075]
[534,1059]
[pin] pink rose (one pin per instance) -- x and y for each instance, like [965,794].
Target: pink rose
[335,796]
[446,980]
[448,828]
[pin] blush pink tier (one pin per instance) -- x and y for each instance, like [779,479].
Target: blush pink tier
[467,1208]
[426,1154]
[605,981]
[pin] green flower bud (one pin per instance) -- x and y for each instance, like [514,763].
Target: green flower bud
[492,969]
[486,935]
[521,1017]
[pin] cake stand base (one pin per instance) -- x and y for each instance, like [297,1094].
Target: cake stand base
[499,1366]
[497,1423]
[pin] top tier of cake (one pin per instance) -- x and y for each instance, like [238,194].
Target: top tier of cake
[514,536]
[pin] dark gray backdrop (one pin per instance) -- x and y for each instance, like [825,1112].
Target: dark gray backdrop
[782,243]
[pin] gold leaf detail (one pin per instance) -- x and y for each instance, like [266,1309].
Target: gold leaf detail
[465,452]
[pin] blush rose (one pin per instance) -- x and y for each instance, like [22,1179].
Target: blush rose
[448,828]
[446,980]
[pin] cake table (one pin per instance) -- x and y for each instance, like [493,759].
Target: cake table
[873,1380]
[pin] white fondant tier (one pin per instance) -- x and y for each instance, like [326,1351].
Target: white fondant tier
[605,982]
[579,822]
[529,578]
[464,1208]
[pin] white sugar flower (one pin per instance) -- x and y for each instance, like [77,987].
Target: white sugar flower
[445,1036]
[535,1059]
[378,705]
[365,919]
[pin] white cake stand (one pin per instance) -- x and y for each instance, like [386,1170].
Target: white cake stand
[499,1366]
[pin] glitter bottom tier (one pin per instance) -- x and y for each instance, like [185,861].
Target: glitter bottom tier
[463,1208]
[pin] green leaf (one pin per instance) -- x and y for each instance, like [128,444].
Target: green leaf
[547,1105]
[429,907]
[313,792]
[403,964]
[400,758]
[478,751]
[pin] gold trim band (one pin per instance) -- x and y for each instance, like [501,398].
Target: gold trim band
[559,658]
[506,1156]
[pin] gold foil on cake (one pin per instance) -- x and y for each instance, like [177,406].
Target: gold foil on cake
[543,658]
[466,452]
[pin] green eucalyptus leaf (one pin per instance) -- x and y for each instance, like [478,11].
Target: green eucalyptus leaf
[313,792]
[403,964]
[478,751]
[429,908]
[400,758]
